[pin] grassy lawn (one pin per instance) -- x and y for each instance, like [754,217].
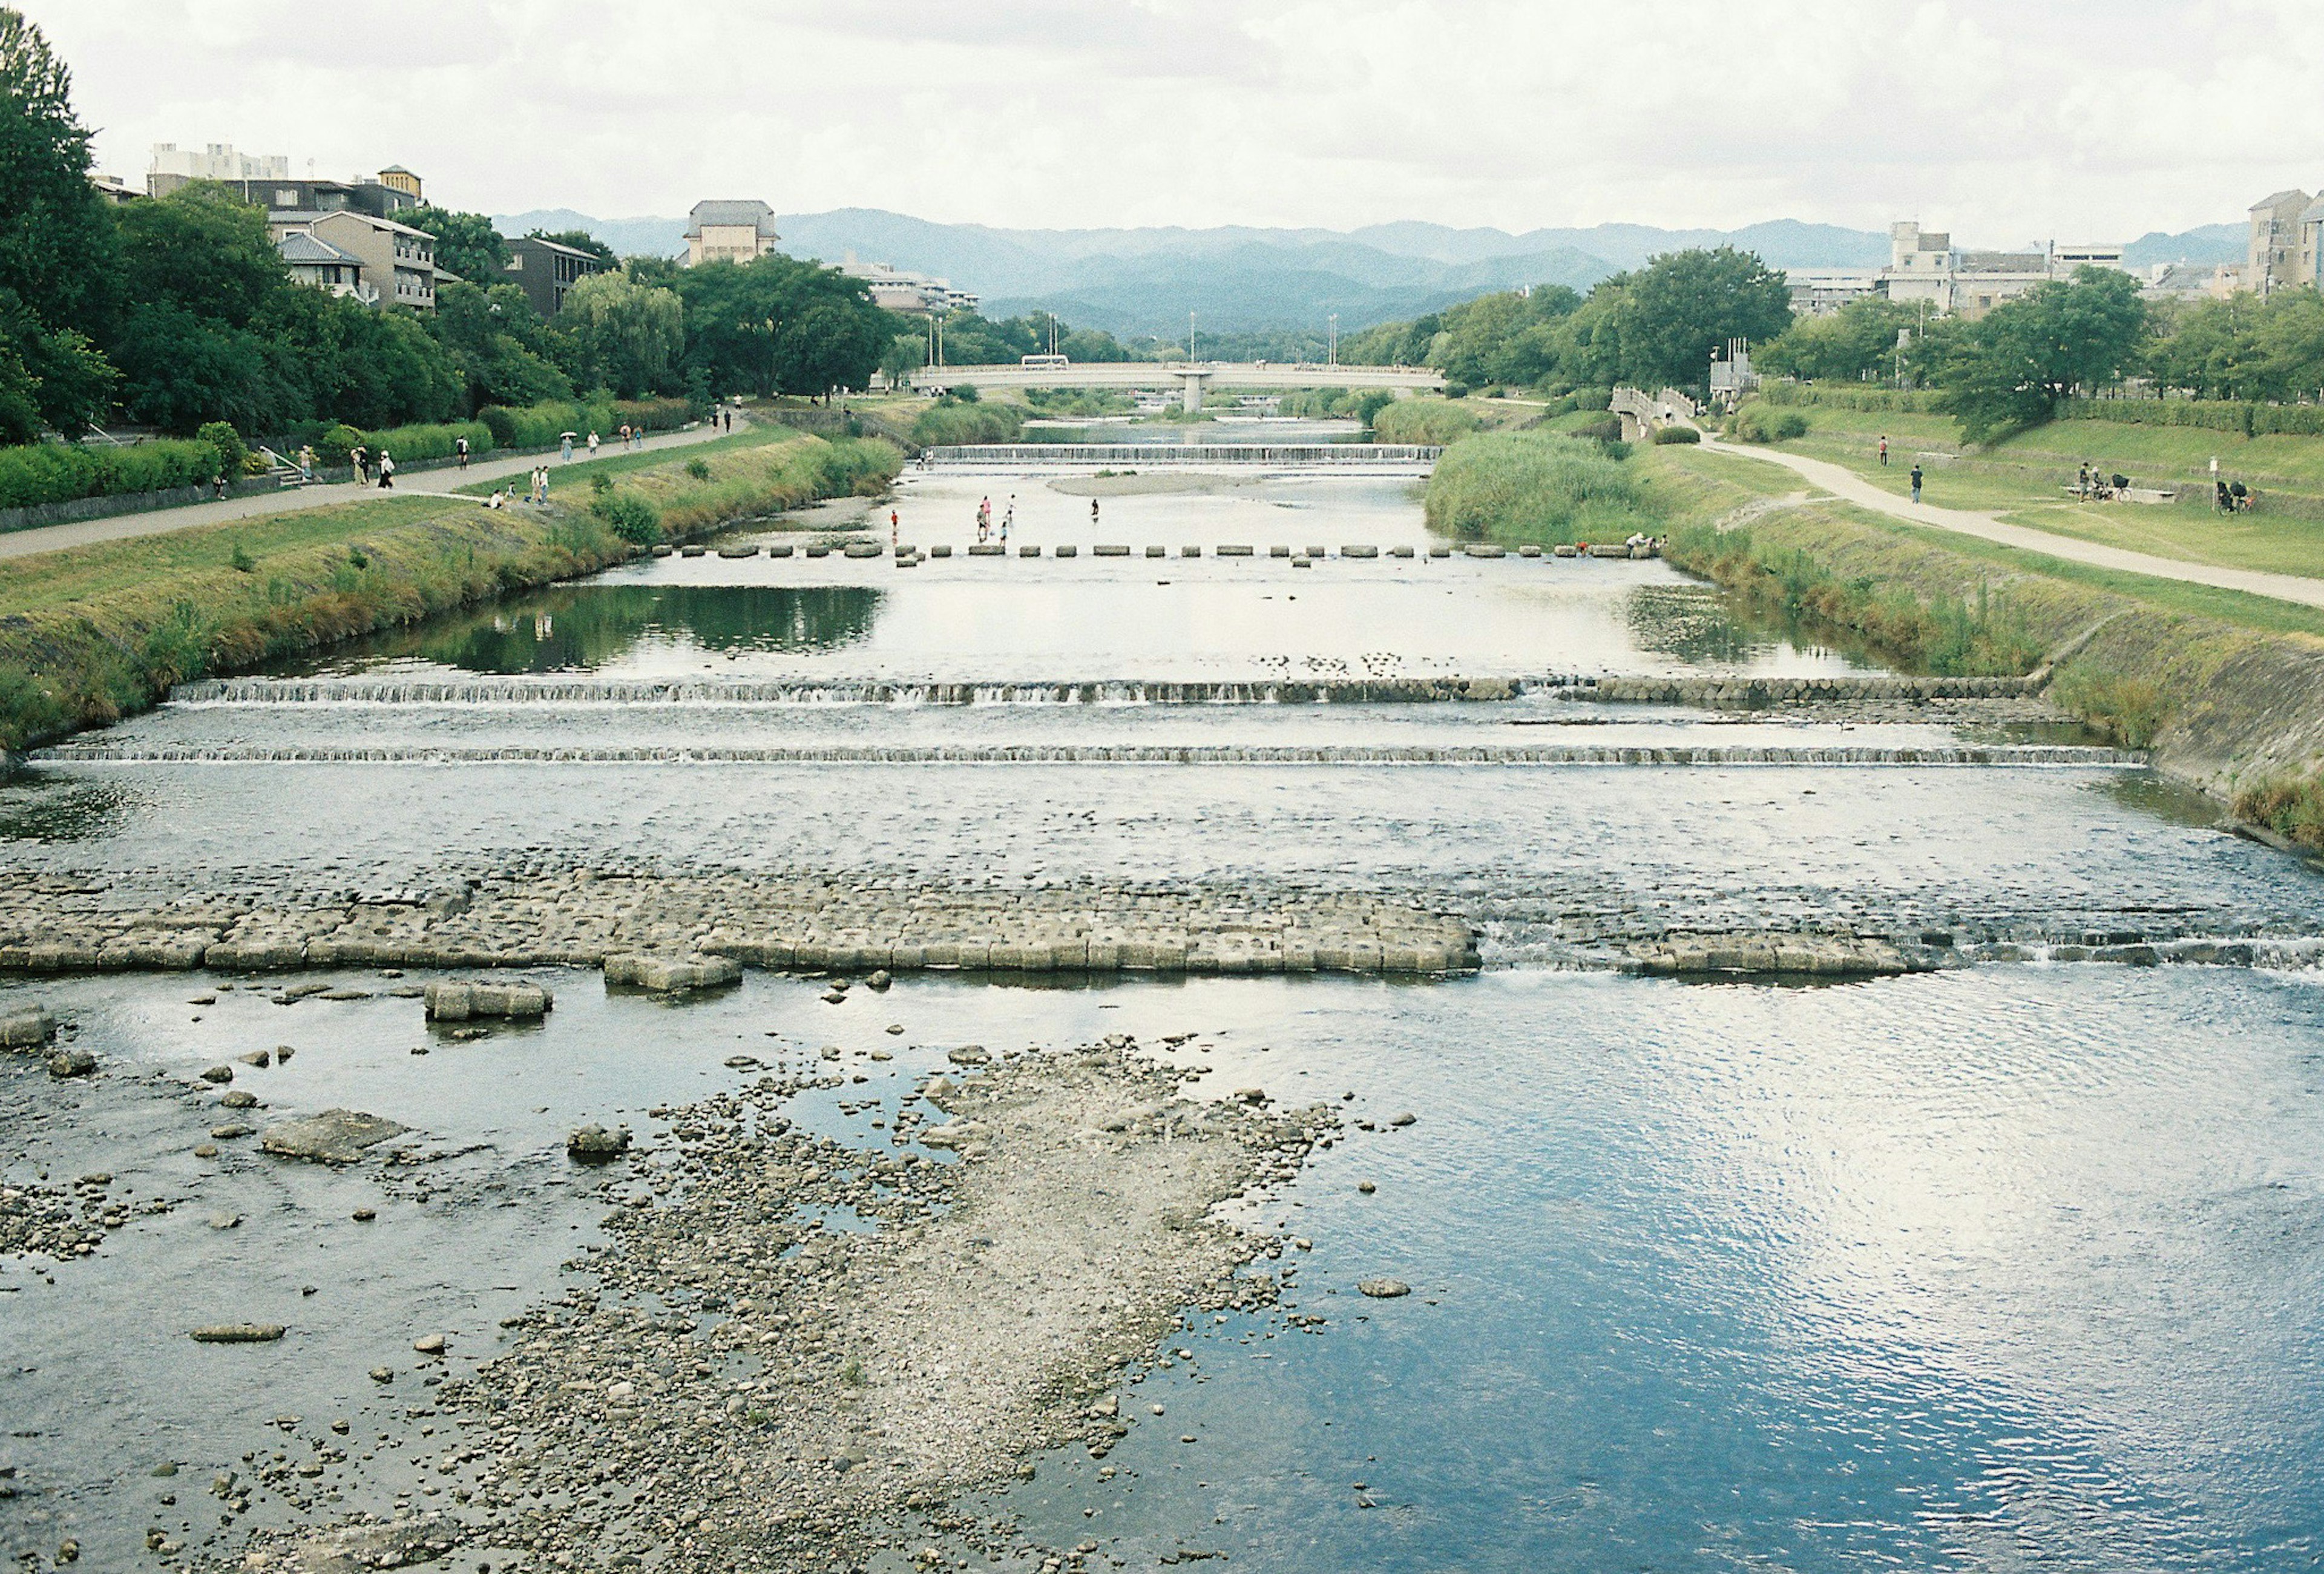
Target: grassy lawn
[564,477]
[2024,480]
[1696,486]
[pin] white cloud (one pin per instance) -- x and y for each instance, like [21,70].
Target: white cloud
[2006,120]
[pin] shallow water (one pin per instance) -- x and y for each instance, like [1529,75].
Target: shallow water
[2000,1266]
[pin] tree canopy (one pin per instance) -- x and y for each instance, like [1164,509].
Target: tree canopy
[2013,364]
[627,336]
[776,325]
[466,243]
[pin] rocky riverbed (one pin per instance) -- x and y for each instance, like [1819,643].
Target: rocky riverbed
[738,1382]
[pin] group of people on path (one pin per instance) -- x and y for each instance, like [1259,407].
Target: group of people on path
[360,458]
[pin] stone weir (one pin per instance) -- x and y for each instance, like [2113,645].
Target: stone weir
[53,925]
[1709,690]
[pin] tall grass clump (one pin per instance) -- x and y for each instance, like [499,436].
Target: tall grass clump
[1422,420]
[949,423]
[1537,487]
[2292,807]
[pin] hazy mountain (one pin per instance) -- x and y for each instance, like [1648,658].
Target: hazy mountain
[2214,242]
[1144,281]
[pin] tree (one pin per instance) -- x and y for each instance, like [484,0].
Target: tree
[1685,305]
[905,353]
[55,236]
[2019,360]
[465,243]
[580,240]
[203,249]
[1858,338]
[503,353]
[48,377]
[628,335]
[748,328]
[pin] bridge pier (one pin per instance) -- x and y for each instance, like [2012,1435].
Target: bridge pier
[1194,395]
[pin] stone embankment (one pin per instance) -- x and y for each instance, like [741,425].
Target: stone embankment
[62,924]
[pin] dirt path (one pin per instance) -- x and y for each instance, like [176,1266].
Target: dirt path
[423,484]
[1848,486]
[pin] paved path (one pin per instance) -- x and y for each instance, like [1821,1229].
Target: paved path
[1847,484]
[421,484]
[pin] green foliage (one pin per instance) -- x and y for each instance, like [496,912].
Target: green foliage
[1756,422]
[241,561]
[2130,711]
[629,517]
[47,473]
[1422,420]
[466,243]
[628,336]
[971,340]
[56,238]
[2250,420]
[1686,304]
[1859,338]
[1667,435]
[2247,347]
[948,422]
[418,444]
[336,445]
[48,377]
[777,326]
[1534,486]
[1977,636]
[503,353]
[699,468]
[227,442]
[2015,363]
[2290,806]
[1877,399]
[601,482]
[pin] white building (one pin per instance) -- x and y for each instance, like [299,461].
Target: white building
[913,294]
[1925,265]
[1821,291]
[217,161]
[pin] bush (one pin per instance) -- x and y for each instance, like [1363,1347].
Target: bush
[699,468]
[2130,711]
[1755,423]
[335,446]
[1534,486]
[1422,420]
[949,423]
[231,449]
[1884,401]
[1665,436]
[631,517]
[2219,414]
[2290,806]
[416,445]
[1609,430]
[47,473]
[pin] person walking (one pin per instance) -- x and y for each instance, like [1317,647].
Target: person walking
[1884,449]
[386,471]
[217,486]
[1009,517]
[1916,484]
[1004,530]
[593,445]
[360,458]
[1092,513]
[2083,481]
[565,447]
[625,437]
[730,420]
[895,527]
[460,450]
[305,462]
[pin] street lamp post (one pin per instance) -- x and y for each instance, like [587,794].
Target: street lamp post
[1334,351]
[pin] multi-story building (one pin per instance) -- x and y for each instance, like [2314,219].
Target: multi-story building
[173,166]
[1925,265]
[314,260]
[547,269]
[730,232]
[913,294]
[2271,257]
[1821,291]
[398,261]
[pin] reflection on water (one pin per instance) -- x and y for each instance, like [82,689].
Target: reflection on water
[582,628]
[53,808]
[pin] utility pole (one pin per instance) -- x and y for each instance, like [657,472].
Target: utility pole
[1335,339]
[1190,338]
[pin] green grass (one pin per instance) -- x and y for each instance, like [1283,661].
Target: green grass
[91,634]
[2023,478]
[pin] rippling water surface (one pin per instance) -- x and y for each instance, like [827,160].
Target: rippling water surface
[2000,1267]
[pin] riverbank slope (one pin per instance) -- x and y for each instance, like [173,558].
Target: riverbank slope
[92,633]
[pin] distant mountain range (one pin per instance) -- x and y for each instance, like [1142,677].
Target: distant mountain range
[1136,283]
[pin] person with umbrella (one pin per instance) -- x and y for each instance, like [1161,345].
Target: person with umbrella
[565,446]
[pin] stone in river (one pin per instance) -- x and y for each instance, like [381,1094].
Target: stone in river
[71,1063]
[238,1333]
[430,1344]
[239,1099]
[1402,1120]
[970,1054]
[218,1075]
[26,1028]
[335,1136]
[1385,1289]
[596,1143]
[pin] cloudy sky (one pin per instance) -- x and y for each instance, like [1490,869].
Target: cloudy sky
[2006,120]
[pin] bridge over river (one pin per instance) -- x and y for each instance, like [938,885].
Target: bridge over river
[1339,458]
[1190,378]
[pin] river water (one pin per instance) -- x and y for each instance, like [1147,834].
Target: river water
[2005,1266]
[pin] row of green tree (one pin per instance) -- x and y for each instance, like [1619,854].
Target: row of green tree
[179,311]
[1655,325]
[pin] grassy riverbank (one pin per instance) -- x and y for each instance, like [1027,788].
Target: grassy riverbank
[93,634]
[2228,689]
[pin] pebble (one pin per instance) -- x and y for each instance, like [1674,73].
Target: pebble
[429,1344]
[225,1221]
[1366,1187]
[363,1215]
[238,1333]
[239,1099]
[1384,1289]
[218,1075]
[71,1063]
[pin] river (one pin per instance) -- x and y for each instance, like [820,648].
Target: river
[2006,1264]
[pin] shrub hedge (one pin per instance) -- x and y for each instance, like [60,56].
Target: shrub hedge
[46,472]
[2219,414]
[1920,401]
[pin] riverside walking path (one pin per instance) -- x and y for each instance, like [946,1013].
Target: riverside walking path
[154,523]
[1850,487]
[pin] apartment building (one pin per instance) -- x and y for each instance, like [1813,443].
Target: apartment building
[547,269]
